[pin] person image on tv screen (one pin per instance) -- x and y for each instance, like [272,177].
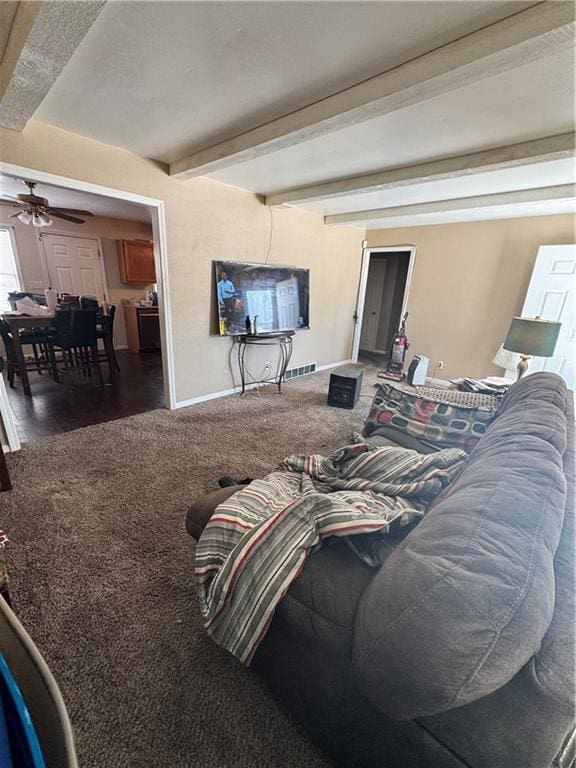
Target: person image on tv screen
[226,295]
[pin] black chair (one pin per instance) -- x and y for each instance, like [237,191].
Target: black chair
[40,341]
[105,331]
[37,337]
[74,336]
[89,302]
[68,301]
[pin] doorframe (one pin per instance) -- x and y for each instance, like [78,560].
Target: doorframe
[367,253]
[378,312]
[42,234]
[158,216]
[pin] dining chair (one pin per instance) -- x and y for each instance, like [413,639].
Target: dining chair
[74,337]
[105,331]
[39,340]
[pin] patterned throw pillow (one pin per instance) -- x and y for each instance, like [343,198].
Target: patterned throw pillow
[429,421]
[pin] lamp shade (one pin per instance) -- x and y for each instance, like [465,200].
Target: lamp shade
[506,359]
[532,337]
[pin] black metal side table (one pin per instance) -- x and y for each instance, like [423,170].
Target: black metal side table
[280,339]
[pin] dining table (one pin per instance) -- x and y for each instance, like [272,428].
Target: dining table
[19,321]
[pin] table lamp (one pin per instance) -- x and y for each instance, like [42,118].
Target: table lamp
[531,337]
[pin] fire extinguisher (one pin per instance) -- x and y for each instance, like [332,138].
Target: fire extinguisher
[398,349]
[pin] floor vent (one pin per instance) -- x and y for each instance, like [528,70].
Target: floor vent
[302,370]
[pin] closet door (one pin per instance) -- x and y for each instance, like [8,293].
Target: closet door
[552,296]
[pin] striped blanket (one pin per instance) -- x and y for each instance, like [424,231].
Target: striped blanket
[257,541]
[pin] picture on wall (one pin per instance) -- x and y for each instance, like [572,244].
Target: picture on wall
[261,298]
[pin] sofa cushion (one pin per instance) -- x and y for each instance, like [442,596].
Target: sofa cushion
[427,423]
[322,601]
[466,599]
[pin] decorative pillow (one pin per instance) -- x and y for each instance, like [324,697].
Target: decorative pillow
[435,423]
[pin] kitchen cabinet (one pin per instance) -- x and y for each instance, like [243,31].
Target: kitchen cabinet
[136,261]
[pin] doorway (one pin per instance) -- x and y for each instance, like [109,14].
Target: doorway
[79,264]
[382,300]
[551,295]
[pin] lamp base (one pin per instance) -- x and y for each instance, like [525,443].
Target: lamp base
[522,366]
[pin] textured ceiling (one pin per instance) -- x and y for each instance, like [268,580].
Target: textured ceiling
[164,79]
[67,198]
[8,10]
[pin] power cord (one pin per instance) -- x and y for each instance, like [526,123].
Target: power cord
[270,238]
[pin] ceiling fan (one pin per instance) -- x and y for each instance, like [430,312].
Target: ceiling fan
[37,210]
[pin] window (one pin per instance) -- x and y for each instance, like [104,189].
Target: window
[8,273]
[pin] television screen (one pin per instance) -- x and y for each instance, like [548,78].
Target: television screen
[261,298]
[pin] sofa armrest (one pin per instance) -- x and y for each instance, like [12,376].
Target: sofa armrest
[202,510]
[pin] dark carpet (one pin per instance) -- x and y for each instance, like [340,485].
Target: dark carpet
[101,572]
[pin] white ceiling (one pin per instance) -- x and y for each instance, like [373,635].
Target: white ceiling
[492,113]
[68,198]
[8,10]
[164,79]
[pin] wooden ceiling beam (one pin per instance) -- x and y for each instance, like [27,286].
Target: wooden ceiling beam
[516,155]
[42,39]
[540,31]
[517,197]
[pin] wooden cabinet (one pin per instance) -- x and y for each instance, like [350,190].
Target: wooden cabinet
[136,261]
[142,328]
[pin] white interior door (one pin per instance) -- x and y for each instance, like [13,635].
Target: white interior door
[552,295]
[372,305]
[287,303]
[74,265]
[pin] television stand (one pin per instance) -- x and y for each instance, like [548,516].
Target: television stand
[280,339]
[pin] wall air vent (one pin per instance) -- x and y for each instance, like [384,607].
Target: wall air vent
[301,370]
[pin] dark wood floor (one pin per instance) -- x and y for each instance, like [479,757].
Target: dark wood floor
[55,408]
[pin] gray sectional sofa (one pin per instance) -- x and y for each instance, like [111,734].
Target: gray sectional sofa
[459,651]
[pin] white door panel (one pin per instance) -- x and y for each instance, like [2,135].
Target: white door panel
[88,281]
[61,279]
[74,265]
[552,296]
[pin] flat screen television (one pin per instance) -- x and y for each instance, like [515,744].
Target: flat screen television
[272,298]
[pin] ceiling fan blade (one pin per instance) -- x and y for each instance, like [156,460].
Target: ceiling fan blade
[9,199]
[71,211]
[65,216]
[13,215]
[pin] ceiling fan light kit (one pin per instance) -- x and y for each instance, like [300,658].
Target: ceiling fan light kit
[38,211]
[36,219]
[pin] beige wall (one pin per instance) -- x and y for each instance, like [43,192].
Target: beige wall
[206,220]
[468,282]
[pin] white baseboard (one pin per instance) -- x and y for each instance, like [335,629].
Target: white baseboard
[332,365]
[237,390]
